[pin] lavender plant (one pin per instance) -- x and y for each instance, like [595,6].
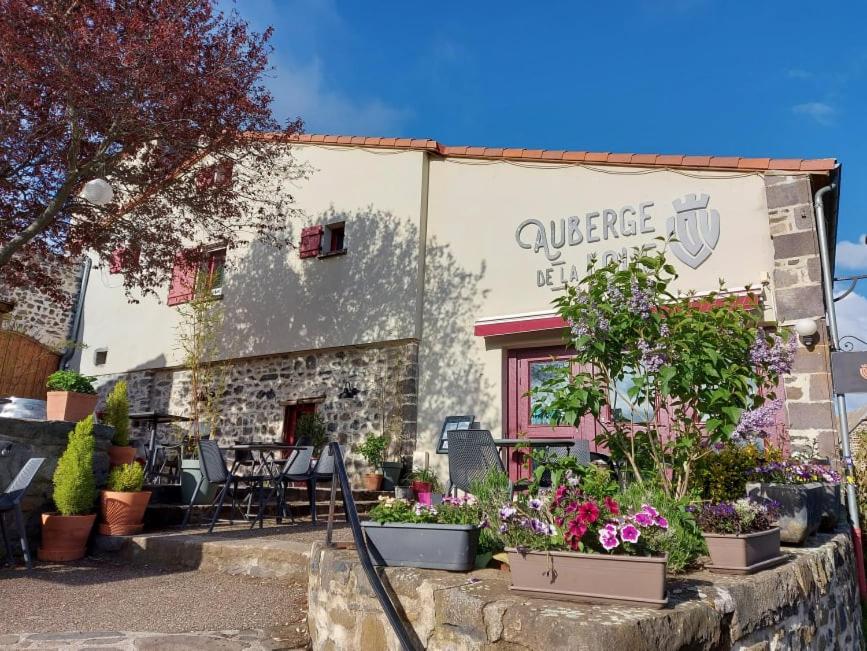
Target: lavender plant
[679,373]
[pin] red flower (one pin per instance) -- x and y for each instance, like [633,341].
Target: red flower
[612,506]
[588,512]
[577,529]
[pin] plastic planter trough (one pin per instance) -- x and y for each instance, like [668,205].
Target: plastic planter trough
[744,554]
[430,546]
[590,578]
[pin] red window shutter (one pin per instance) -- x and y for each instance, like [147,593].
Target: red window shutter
[122,258]
[223,173]
[183,282]
[204,178]
[311,237]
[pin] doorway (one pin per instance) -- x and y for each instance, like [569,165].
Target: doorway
[290,420]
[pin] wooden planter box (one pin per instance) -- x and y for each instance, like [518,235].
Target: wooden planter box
[430,546]
[593,578]
[744,554]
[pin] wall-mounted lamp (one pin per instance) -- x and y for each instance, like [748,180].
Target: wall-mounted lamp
[807,330]
[348,390]
[98,192]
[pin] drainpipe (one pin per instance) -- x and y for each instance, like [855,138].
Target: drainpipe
[842,416]
[76,319]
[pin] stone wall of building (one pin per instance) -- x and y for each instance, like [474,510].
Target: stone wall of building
[798,295]
[809,603]
[46,320]
[257,391]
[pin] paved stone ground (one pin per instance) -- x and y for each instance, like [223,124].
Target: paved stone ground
[232,640]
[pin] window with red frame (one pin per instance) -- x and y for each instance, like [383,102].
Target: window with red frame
[184,274]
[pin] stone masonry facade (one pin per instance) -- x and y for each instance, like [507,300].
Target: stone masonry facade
[258,390]
[40,317]
[798,294]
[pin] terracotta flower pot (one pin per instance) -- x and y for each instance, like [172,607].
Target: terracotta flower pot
[120,455]
[122,513]
[64,537]
[744,554]
[372,482]
[70,406]
[593,578]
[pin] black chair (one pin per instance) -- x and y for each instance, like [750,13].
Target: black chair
[322,472]
[296,468]
[472,455]
[10,500]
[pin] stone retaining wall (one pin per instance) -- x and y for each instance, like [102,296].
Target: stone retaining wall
[809,603]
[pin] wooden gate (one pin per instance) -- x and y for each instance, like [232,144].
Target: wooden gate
[25,364]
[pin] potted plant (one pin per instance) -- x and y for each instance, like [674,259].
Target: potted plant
[116,414]
[122,504]
[71,396]
[740,535]
[425,482]
[571,545]
[443,537]
[800,493]
[310,430]
[373,451]
[65,533]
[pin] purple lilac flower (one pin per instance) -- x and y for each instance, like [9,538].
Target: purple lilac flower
[535,504]
[608,539]
[614,293]
[629,533]
[639,302]
[778,356]
[651,357]
[663,330]
[759,420]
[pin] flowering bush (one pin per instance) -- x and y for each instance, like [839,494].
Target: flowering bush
[666,375]
[739,517]
[453,510]
[793,472]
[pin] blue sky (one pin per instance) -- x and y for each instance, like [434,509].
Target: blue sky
[772,79]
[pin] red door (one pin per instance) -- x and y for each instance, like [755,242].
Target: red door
[527,369]
[290,419]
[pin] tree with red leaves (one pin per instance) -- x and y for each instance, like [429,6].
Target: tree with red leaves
[161,98]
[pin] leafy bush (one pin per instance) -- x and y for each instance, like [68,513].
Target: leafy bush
[742,516]
[427,476]
[722,475]
[70,381]
[74,483]
[310,428]
[117,413]
[128,478]
[683,542]
[373,450]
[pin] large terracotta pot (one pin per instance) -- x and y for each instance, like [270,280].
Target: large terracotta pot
[372,482]
[120,455]
[744,554]
[593,578]
[70,406]
[64,537]
[122,514]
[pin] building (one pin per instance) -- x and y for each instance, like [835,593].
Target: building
[423,283]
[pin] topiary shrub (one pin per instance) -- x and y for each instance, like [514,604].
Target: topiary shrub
[128,478]
[74,483]
[70,381]
[117,413]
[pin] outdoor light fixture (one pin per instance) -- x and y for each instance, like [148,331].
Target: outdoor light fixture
[348,391]
[98,192]
[807,330]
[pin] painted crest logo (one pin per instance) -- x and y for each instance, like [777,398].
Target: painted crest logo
[863,371]
[695,228]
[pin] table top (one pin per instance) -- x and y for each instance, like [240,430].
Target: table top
[158,417]
[534,443]
[262,446]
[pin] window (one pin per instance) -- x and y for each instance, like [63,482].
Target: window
[541,372]
[185,272]
[100,357]
[625,409]
[214,266]
[333,239]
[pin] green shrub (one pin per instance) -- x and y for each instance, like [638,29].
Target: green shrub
[683,542]
[427,476]
[373,450]
[128,478]
[117,413]
[311,428]
[74,483]
[70,381]
[721,476]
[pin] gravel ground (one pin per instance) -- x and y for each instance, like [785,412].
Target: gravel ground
[103,594]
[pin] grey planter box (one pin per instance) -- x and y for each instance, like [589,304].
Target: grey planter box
[801,507]
[831,507]
[430,546]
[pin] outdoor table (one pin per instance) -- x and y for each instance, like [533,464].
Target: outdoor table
[505,444]
[154,419]
[262,455]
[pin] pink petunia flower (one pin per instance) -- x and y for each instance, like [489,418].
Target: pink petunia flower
[608,539]
[629,534]
[588,512]
[660,522]
[642,519]
[649,510]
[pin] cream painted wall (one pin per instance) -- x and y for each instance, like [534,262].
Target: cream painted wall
[276,302]
[474,210]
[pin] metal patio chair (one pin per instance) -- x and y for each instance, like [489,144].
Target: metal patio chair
[296,468]
[10,500]
[322,472]
[472,455]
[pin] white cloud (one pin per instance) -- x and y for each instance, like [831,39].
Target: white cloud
[852,255]
[819,111]
[852,320]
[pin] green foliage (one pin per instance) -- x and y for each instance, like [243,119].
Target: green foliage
[117,413]
[128,478]
[683,541]
[70,381]
[451,511]
[373,450]
[491,493]
[427,476]
[860,467]
[74,483]
[722,475]
[311,428]
[676,372]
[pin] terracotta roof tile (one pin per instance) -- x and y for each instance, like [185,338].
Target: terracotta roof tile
[605,158]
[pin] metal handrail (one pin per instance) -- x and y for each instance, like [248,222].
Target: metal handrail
[407,638]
